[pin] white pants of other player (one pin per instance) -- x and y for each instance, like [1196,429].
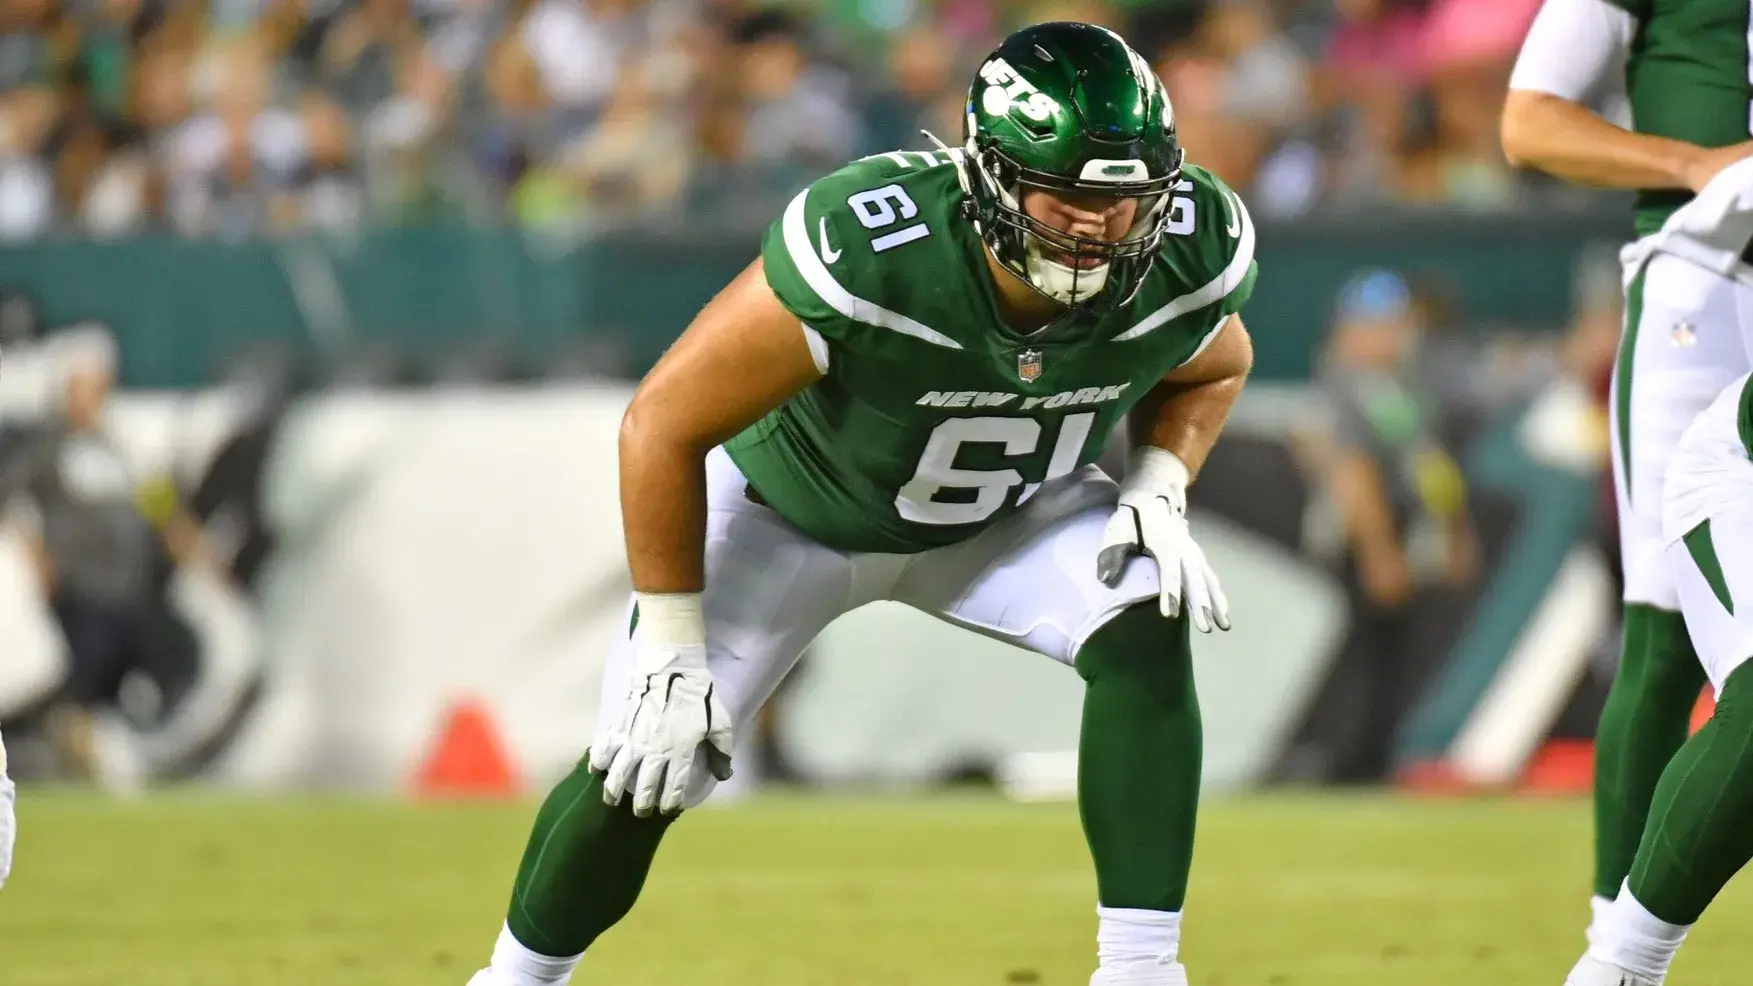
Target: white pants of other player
[1709,479]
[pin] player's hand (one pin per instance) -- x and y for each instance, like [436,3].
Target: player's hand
[8,821]
[1151,520]
[1709,162]
[673,713]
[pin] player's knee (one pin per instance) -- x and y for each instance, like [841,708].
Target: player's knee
[1734,703]
[1141,650]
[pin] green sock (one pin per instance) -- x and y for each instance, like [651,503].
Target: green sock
[1138,759]
[1645,720]
[582,868]
[1700,830]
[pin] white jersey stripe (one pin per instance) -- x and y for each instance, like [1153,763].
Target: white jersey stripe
[1217,288]
[821,281]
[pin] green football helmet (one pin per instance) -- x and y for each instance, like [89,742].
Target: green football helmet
[1070,108]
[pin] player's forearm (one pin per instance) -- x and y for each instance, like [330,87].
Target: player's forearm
[1569,141]
[663,506]
[1186,419]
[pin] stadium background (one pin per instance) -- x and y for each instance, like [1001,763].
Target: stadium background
[374,279]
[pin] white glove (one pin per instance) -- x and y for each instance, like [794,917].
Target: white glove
[8,820]
[1152,520]
[8,827]
[672,713]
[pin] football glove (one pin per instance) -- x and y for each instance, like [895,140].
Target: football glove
[1151,520]
[8,820]
[672,713]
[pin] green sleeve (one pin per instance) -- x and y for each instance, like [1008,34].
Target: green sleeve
[1239,296]
[1222,244]
[1212,255]
[849,253]
[817,258]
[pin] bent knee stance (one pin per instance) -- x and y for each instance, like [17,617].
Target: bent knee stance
[1139,758]
[1700,830]
[1144,655]
[583,867]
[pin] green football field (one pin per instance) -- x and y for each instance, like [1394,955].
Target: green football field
[196,890]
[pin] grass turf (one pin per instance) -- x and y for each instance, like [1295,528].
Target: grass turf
[196,890]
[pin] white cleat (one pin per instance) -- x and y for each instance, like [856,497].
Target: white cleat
[1141,974]
[1590,971]
[8,826]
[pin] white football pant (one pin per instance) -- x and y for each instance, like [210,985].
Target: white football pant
[1029,580]
[1676,354]
[1708,523]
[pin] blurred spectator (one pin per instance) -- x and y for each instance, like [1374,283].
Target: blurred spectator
[1374,69]
[1401,501]
[798,109]
[70,488]
[1470,47]
[923,92]
[1240,90]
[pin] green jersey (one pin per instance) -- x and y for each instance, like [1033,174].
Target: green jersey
[933,420]
[1689,78]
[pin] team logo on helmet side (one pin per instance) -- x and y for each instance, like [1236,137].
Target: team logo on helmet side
[1007,90]
[1069,109]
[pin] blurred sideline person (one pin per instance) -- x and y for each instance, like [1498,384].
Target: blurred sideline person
[902,399]
[1681,344]
[35,653]
[1402,509]
[1700,830]
[68,487]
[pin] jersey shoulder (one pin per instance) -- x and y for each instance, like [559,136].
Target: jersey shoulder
[873,243]
[1207,257]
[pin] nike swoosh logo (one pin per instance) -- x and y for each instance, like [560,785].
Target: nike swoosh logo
[828,255]
[1235,225]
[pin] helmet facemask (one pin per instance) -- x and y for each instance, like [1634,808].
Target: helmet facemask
[1073,270]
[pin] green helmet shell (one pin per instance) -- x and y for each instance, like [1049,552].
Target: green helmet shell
[1070,108]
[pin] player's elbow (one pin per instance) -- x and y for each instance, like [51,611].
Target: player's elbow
[641,427]
[651,425]
[1243,361]
[1524,120]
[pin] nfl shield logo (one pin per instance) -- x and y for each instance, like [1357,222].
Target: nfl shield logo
[1028,365]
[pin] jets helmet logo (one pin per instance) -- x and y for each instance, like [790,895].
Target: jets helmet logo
[1028,365]
[1006,90]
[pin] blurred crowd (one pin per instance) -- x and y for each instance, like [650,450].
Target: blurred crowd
[238,117]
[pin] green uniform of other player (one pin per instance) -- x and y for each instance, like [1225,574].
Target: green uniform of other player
[938,422]
[902,400]
[1688,77]
[1686,71]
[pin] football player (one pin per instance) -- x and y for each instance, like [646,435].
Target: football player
[902,399]
[1700,830]
[1684,66]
